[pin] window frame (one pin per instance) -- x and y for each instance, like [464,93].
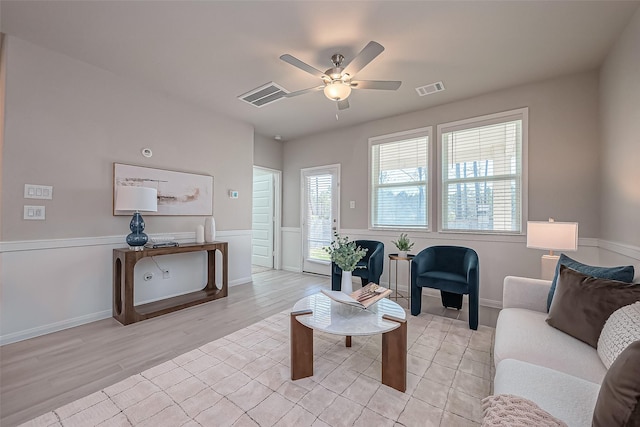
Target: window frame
[397,137]
[479,121]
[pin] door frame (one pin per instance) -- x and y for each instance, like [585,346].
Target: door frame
[277,220]
[302,205]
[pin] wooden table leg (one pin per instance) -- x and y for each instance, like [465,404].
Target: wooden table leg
[394,355]
[347,341]
[301,347]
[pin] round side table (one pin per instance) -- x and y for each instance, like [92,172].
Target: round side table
[395,258]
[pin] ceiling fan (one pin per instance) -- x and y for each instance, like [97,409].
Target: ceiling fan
[337,81]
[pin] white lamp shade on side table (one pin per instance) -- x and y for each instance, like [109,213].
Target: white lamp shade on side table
[552,236]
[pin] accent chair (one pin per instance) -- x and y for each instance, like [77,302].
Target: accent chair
[454,270]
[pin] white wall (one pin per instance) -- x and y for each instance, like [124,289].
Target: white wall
[66,122]
[563,150]
[620,134]
[267,152]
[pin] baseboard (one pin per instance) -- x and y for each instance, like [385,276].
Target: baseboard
[292,269]
[436,294]
[53,327]
[240,281]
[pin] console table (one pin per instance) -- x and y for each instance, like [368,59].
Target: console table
[124,261]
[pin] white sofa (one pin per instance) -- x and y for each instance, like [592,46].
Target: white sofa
[540,363]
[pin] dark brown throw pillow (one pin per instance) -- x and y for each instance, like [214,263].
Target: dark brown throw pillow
[618,403]
[584,303]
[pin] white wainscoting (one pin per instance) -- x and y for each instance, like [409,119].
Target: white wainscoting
[50,285]
[500,256]
[292,249]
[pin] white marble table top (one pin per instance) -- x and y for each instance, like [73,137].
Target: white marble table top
[342,319]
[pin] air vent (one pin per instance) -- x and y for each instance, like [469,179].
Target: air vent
[263,95]
[429,89]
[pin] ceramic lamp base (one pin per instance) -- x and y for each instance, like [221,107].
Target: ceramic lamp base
[137,239]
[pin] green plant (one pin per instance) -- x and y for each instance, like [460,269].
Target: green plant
[403,243]
[344,253]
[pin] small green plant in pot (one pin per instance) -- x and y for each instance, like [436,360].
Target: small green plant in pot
[346,255]
[403,244]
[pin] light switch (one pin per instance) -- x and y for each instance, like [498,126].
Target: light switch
[32,191]
[34,212]
[352,204]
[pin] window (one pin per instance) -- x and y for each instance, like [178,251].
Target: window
[482,173]
[400,180]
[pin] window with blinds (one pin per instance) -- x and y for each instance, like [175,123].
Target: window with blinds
[482,173]
[318,216]
[400,180]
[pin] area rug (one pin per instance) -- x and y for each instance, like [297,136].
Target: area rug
[244,379]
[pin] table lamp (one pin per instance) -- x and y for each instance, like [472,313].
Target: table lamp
[552,236]
[129,198]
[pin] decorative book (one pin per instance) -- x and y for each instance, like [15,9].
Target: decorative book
[362,298]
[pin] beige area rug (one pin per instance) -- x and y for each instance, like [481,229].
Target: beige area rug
[244,379]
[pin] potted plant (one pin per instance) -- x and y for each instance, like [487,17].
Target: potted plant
[346,255]
[403,244]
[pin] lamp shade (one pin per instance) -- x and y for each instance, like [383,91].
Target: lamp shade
[553,236]
[130,198]
[337,90]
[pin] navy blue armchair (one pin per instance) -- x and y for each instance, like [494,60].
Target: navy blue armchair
[372,262]
[452,269]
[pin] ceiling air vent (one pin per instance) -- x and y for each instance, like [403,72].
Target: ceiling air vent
[429,89]
[263,95]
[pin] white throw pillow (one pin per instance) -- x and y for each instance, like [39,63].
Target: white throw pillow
[621,329]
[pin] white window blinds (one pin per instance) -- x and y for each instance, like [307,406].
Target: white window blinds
[482,174]
[399,181]
[318,216]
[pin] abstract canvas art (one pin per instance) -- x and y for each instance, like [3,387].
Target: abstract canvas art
[179,193]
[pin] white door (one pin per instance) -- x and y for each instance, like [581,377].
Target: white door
[320,216]
[262,218]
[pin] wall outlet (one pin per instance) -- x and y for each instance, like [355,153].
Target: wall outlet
[165,274]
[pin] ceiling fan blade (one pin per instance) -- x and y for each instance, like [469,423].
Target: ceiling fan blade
[376,84]
[365,56]
[303,66]
[303,91]
[343,104]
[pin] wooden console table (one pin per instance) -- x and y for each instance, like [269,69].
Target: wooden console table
[124,261]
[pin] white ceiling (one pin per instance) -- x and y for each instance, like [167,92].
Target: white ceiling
[209,52]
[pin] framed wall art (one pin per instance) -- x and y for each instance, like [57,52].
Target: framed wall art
[179,193]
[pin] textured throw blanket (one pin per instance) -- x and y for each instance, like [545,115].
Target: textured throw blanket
[515,411]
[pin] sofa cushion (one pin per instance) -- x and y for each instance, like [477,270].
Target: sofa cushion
[618,402]
[621,329]
[566,397]
[524,335]
[582,304]
[622,273]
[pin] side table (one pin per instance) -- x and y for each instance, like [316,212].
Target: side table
[395,258]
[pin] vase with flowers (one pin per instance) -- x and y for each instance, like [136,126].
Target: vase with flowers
[345,254]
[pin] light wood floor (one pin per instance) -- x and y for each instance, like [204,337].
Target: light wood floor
[44,373]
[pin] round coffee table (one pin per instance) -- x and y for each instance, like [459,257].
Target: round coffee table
[321,313]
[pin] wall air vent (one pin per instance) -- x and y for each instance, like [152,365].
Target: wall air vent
[429,89]
[263,95]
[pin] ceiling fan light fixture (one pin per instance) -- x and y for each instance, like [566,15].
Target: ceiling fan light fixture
[337,90]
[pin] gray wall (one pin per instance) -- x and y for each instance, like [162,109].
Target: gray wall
[620,126]
[563,151]
[267,152]
[67,122]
